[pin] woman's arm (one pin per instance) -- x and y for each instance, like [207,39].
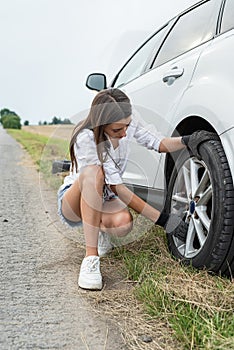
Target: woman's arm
[150,138]
[134,202]
[171,144]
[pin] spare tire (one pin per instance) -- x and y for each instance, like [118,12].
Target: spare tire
[201,193]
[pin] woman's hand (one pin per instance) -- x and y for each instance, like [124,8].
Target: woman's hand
[194,141]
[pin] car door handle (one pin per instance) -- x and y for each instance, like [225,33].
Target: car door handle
[173,74]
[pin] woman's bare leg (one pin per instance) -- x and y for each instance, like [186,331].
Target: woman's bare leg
[83,200]
[91,207]
[71,202]
[116,218]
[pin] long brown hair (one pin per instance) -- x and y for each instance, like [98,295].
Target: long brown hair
[108,106]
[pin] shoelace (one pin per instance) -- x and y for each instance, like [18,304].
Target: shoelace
[91,265]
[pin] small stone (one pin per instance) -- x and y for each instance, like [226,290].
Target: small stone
[146,338]
[5,220]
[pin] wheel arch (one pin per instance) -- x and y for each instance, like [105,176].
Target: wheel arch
[186,127]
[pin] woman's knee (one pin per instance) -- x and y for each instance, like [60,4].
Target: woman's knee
[123,223]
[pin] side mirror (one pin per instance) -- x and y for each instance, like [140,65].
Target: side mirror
[96,81]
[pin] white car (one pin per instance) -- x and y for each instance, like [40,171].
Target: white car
[182,80]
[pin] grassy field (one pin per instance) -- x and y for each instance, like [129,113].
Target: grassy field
[51,131]
[44,148]
[193,307]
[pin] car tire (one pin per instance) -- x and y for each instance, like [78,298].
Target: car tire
[201,192]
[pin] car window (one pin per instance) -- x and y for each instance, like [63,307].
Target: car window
[137,64]
[228,16]
[191,29]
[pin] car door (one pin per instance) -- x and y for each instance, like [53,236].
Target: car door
[156,93]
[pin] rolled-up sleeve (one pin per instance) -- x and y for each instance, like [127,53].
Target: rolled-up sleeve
[86,154]
[86,149]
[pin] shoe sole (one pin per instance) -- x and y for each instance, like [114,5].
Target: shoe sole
[85,285]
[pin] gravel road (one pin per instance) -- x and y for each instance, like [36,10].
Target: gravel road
[41,306]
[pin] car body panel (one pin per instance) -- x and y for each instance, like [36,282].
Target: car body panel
[157,101]
[204,90]
[210,93]
[192,90]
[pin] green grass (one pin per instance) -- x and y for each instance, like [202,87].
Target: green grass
[196,325]
[198,307]
[33,143]
[43,150]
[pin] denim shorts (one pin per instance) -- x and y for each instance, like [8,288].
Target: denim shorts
[107,196]
[60,195]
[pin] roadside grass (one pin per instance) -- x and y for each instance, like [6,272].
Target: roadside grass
[43,150]
[196,307]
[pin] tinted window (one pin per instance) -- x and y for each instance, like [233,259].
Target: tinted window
[228,16]
[190,30]
[137,65]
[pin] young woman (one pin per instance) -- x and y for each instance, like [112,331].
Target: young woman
[93,195]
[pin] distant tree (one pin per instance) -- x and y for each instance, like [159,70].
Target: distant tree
[26,122]
[6,111]
[66,121]
[11,122]
[56,120]
[9,119]
[45,122]
[39,123]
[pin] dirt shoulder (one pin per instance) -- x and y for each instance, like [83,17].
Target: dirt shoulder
[41,305]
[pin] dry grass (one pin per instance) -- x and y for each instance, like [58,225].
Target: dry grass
[122,307]
[177,306]
[120,304]
[61,131]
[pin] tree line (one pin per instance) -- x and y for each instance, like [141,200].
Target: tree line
[56,120]
[10,120]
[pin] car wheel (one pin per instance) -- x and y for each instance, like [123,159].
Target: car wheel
[201,193]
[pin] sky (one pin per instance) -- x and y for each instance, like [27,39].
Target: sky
[48,48]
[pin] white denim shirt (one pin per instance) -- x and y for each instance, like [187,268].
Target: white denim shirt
[116,161]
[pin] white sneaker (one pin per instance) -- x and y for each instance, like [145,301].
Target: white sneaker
[90,276]
[104,244]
